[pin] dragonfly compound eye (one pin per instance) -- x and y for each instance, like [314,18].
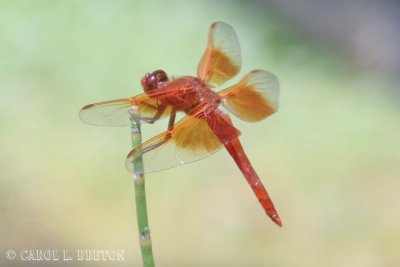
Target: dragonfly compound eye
[160,75]
[149,82]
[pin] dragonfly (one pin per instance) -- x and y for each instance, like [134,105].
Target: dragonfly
[205,127]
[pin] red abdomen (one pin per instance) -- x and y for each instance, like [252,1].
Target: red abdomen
[235,149]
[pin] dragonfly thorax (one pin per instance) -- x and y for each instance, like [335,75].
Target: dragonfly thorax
[188,92]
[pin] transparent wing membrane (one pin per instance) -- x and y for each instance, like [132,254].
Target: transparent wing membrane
[193,138]
[222,59]
[116,112]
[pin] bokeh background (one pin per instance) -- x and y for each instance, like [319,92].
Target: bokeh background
[330,157]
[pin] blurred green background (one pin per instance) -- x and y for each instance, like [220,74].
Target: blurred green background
[329,158]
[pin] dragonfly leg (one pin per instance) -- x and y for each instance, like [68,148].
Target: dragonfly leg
[171,122]
[168,135]
[144,148]
[158,114]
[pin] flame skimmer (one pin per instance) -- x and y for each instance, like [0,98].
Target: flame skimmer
[205,129]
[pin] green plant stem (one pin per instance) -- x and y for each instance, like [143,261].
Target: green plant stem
[140,195]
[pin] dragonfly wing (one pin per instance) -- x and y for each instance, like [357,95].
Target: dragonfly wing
[116,112]
[254,98]
[222,59]
[192,139]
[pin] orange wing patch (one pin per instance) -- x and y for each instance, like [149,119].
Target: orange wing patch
[196,135]
[254,98]
[190,140]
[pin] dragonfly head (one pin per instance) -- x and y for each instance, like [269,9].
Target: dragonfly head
[151,81]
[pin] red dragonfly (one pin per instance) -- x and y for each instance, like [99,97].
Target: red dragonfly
[205,128]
